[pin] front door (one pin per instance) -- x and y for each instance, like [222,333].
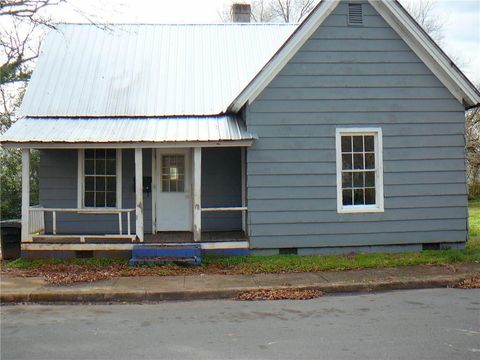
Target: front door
[174,195]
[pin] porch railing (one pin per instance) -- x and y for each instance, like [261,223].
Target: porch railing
[37,217]
[36,220]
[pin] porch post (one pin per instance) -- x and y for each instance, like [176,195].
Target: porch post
[243,161]
[25,195]
[139,194]
[197,194]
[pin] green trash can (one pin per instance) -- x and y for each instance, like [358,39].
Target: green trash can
[11,236]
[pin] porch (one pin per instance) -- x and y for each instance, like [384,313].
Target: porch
[169,203]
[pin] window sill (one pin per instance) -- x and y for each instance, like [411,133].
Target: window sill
[360,209]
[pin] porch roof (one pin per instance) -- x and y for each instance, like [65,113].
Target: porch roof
[106,131]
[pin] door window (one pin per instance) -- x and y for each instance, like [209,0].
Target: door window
[173,173]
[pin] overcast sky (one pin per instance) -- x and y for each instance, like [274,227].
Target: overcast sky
[461,19]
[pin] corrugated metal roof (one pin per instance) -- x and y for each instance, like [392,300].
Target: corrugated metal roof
[127,130]
[148,70]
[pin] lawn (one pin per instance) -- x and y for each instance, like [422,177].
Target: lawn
[68,271]
[474,218]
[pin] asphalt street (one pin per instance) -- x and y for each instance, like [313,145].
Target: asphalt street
[417,324]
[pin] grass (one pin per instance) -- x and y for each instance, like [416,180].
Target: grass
[293,263]
[474,218]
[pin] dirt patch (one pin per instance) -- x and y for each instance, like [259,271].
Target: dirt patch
[471,283]
[278,294]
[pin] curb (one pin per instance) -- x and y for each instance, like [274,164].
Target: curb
[135,296]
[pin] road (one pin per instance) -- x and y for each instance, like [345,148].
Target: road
[418,324]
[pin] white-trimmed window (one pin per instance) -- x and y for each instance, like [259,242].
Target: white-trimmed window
[359,170]
[99,180]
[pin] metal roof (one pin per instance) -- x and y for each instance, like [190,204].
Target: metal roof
[127,130]
[148,70]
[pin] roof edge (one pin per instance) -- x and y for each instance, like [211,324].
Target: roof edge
[428,51]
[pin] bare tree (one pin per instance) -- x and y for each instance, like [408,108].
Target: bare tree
[22,25]
[423,12]
[288,11]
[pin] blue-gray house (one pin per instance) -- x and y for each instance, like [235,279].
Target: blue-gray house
[342,133]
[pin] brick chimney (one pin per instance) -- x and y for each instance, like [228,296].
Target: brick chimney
[241,13]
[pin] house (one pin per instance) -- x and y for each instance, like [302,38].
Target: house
[344,133]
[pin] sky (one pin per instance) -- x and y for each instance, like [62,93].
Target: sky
[461,20]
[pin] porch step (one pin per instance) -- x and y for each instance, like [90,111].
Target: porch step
[144,254]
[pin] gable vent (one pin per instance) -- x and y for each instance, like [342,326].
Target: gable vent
[355,14]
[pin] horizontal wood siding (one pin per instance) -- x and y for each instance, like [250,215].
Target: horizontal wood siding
[355,76]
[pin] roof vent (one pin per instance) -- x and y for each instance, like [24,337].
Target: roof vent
[355,14]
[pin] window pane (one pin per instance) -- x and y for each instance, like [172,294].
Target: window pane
[100,183]
[89,198]
[111,153]
[370,161]
[100,153]
[358,198]
[181,186]
[111,184]
[358,161]
[111,167]
[369,143]
[358,143]
[99,167]
[89,154]
[369,178]
[347,197]
[89,183]
[165,187]
[358,179]
[89,167]
[346,144]
[100,199]
[347,161]
[370,197]
[111,199]
[347,180]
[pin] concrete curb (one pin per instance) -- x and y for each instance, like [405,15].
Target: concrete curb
[135,296]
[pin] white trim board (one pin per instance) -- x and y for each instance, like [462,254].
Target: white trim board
[130,145]
[396,16]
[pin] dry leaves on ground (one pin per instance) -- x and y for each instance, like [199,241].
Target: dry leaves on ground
[66,274]
[278,294]
[471,283]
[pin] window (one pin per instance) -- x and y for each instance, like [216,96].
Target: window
[173,173]
[359,170]
[100,177]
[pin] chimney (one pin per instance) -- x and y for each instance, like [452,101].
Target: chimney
[241,13]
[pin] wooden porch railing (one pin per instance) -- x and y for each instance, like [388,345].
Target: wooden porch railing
[37,217]
[36,223]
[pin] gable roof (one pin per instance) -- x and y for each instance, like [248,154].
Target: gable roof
[147,70]
[400,20]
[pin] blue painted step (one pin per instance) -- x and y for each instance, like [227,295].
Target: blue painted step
[158,254]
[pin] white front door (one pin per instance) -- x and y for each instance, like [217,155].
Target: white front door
[174,190]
